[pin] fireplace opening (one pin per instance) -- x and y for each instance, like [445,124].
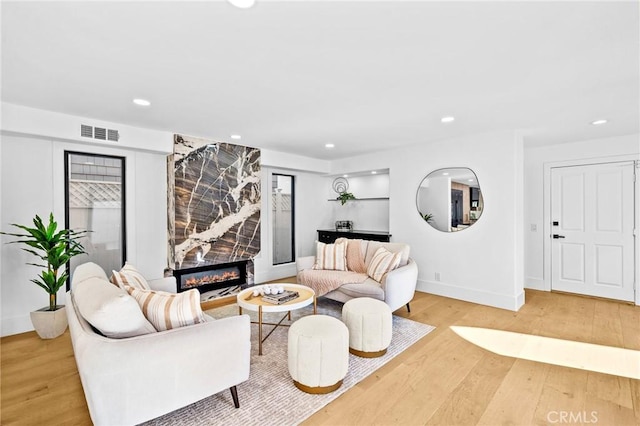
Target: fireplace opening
[198,279]
[212,277]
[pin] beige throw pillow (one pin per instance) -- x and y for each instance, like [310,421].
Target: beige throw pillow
[331,256]
[355,256]
[129,276]
[382,262]
[401,248]
[169,310]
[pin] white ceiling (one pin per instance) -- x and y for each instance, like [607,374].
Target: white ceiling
[292,76]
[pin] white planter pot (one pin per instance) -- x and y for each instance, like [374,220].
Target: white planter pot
[50,324]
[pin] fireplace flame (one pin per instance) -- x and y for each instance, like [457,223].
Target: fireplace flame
[211,279]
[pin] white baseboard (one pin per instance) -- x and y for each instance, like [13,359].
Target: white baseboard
[16,325]
[511,303]
[535,284]
[520,300]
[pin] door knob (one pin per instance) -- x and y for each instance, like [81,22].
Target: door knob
[556,236]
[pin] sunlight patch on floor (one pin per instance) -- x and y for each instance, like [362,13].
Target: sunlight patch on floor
[567,353]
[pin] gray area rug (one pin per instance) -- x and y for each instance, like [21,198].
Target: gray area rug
[269,396]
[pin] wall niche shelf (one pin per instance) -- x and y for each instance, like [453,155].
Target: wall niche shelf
[362,199]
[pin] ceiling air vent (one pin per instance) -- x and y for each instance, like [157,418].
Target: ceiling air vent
[86,131]
[113,135]
[100,133]
[103,134]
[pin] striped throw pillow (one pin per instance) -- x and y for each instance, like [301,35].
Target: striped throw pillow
[331,256]
[129,276]
[169,310]
[382,262]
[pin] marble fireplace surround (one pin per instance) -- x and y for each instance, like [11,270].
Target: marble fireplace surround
[214,199]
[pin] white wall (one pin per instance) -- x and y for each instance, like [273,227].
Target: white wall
[32,170]
[366,214]
[535,190]
[310,209]
[285,161]
[367,186]
[1,206]
[23,120]
[482,264]
[27,188]
[310,214]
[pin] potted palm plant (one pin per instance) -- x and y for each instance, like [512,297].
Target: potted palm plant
[54,248]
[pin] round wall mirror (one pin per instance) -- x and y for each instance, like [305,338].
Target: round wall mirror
[450,199]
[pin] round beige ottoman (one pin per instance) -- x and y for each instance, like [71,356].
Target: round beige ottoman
[318,353]
[369,323]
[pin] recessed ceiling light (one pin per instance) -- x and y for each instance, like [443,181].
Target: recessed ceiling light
[329,145]
[236,137]
[445,174]
[345,176]
[373,172]
[470,180]
[242,4]
[598,122]
[447,119]
[141,102]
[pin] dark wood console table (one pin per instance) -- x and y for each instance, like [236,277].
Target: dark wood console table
[328,236]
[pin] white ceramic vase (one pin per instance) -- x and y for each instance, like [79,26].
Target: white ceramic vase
[50,324]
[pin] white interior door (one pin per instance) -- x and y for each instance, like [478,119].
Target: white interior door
[592,213]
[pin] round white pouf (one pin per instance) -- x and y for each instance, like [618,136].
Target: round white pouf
[369,323]
[318,353]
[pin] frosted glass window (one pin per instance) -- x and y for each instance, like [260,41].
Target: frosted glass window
[95,191]
[282,214]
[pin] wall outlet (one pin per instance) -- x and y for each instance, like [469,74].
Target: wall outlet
[534,227]
[437,276]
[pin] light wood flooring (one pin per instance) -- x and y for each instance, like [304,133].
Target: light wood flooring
[441,380]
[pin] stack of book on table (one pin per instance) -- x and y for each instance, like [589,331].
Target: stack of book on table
[280,298]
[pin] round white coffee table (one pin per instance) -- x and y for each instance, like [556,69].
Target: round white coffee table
[246,300]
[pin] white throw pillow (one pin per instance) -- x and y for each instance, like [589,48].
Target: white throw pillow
[109,309]
[169,310]
[331,256]
[85,271]
[382,262]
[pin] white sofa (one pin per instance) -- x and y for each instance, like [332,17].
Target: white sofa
[130,380]
[396,288]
